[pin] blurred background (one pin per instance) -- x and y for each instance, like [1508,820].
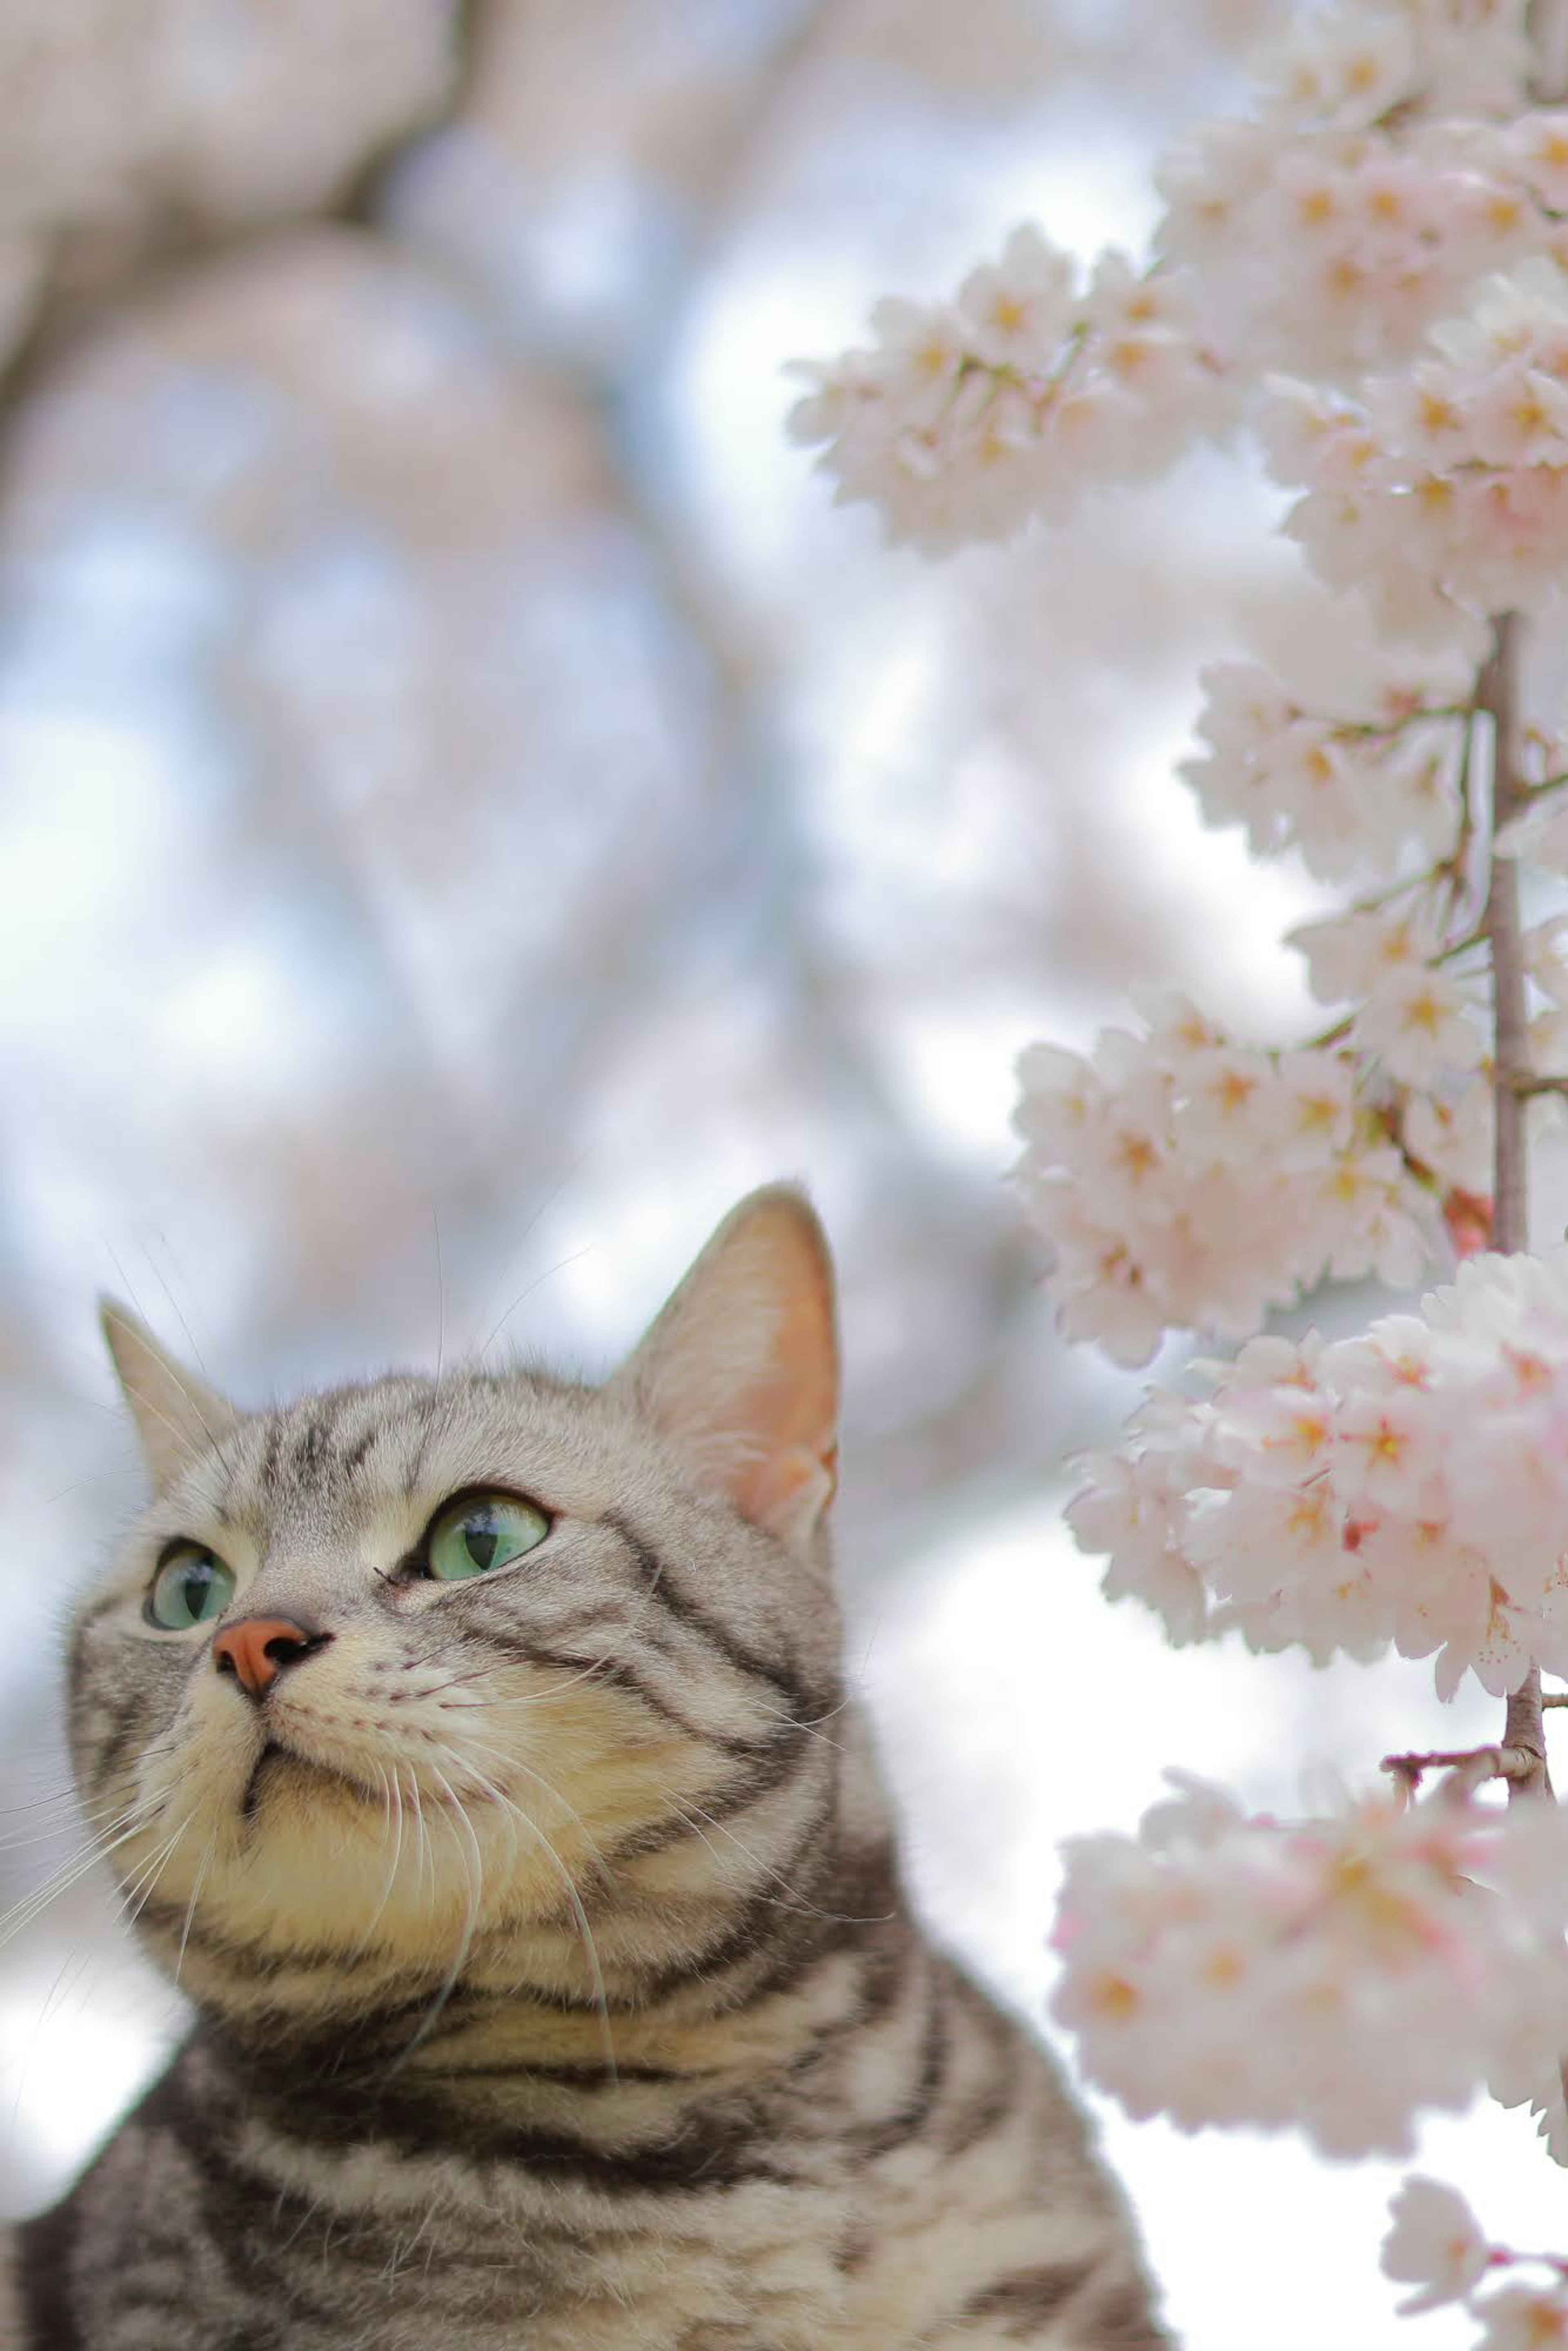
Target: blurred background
[470,806]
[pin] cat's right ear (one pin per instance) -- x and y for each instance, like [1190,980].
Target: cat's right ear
[740,1369]
[177,1416]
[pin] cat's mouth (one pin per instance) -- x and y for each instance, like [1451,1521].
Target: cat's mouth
[274,1755]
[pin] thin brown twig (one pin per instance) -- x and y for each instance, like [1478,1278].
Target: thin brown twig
[1468,1768]
[1497,694]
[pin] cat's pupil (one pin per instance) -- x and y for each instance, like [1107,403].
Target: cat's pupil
[197,1581]
[480,1535]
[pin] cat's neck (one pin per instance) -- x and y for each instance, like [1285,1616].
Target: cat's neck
[500,2074]
[653,1993]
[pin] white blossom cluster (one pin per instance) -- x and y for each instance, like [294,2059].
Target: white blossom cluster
[1447,485]
[1392,162]
[1420,1014]
[1390,158]
[1355,792]
[1541,833]
[965,417]
[1185,1181]
[1372,270]
[1329,254]
[1341,1974]
[1408,1487]
[1437,2245]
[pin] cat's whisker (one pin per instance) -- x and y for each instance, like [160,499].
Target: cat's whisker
[551,1197]
[584,1927]
[206,1862]
[523,1697]
[195,1400]
[685,1807]
[426,1852]
[811,1729]
[454,1975]
[524,1295]
[140,1889]
[32,1906]
[516,1763]
[90,1816]
[391,1802]
[45,1835]
[69,1797]
[64,1794]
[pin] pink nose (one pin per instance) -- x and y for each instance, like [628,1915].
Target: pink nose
[257,1649]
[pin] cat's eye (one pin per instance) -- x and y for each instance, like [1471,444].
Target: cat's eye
[192,1587]
[480,1532]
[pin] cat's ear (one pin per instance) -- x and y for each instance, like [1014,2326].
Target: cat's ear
[177,1416]
[740,1371]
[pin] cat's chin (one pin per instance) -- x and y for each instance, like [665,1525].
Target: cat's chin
[285,1853]
[280,1768]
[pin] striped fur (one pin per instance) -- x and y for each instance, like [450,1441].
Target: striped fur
[556,1984]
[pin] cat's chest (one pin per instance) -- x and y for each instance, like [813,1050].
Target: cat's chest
[706,2277]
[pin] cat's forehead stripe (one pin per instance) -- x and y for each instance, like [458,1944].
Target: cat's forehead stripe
[330,1436]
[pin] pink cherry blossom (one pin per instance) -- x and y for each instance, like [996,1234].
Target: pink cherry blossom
[1352,793]
[1524,2318]
[1435,2244]
[1342,1974]
[1409,1488]
[1185,1182]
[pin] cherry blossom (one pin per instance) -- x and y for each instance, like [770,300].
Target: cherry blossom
[1453,1135]
[1349,956]
[1436,2244]
[1390,160]
[1418,1023]
[963,419]
[1352,792]
[1524,2318]
[1459,491]
[1186,1181]
[1409,1488]
[1342,1974]
[1541,835]
[1369,271]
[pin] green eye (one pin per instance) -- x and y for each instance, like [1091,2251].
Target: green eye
[482,1531]
[192,1587]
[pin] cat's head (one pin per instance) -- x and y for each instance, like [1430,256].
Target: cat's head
[390,1675]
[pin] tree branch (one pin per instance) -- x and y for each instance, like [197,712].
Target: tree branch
[1497,693]
[1469,1768]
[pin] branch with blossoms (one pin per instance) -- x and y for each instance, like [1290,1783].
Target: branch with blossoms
[1368,276]
[1437,2245]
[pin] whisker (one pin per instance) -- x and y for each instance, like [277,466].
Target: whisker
[391,1794]
[585,1930]
[98,1816]
[476,1865]
[140,1890]
[525,1697]
[811,1729]
[32,1906]
[551,1197]
[515,1763]
[685,1809]
[524,1295]
[207,1859]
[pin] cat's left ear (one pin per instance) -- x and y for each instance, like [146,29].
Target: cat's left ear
[740,1371]
[177,1416]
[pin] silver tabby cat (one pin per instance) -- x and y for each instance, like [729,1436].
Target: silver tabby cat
[477,1749]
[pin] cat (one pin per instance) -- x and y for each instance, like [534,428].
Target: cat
[474,1751]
